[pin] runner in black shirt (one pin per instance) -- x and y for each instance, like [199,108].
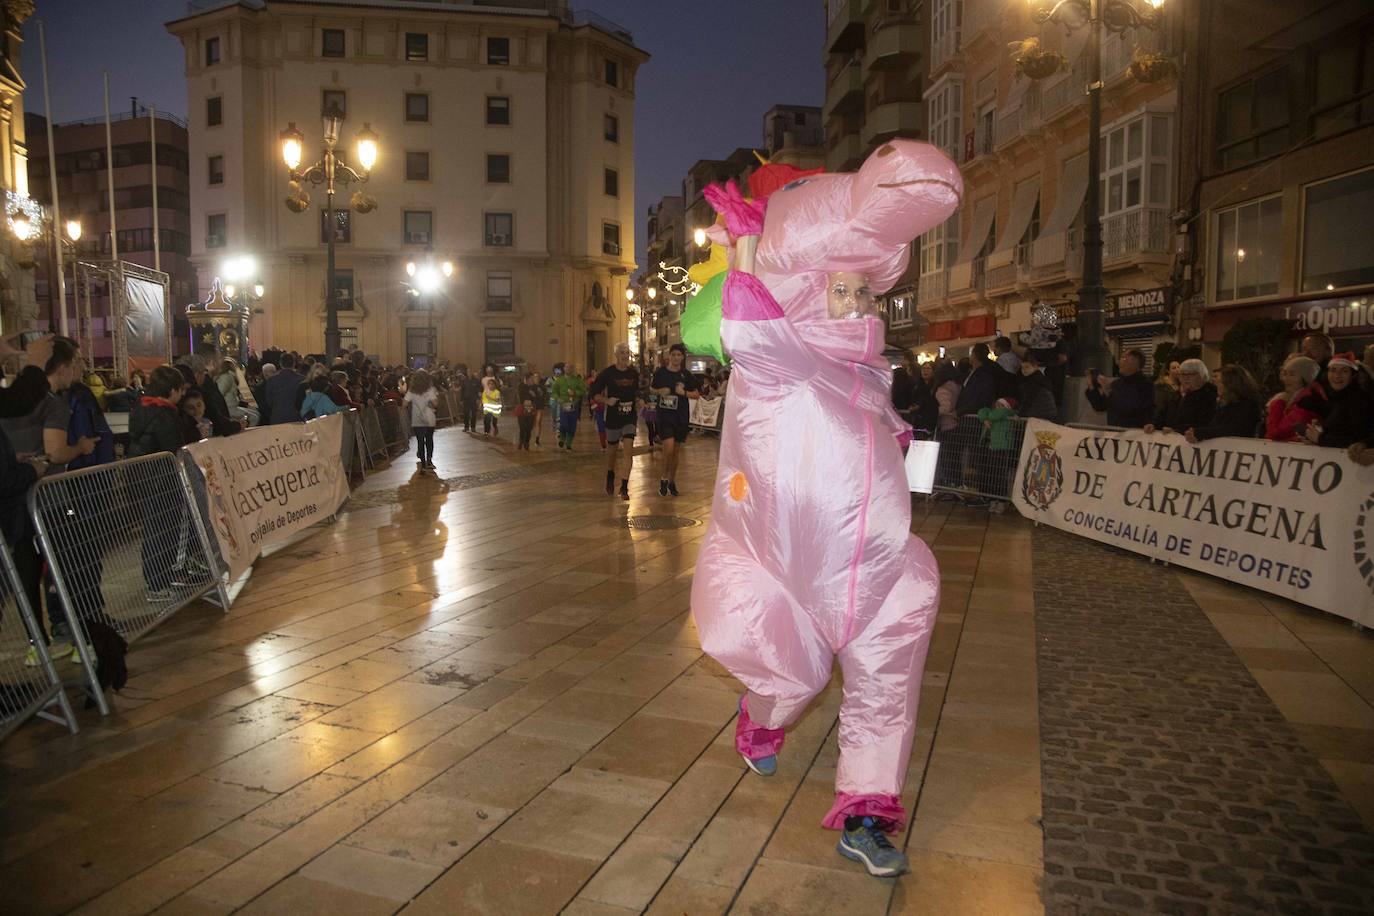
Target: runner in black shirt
[617,387]
[675,387]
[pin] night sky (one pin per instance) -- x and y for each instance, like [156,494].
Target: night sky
[716,67]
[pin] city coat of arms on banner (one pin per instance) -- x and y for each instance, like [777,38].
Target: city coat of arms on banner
[1043,477]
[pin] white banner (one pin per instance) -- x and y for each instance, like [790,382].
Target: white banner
[705,412]
[267,483]
[1290,519]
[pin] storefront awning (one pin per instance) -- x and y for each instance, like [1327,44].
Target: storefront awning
[1072,189]
[984,212]
[1022,206]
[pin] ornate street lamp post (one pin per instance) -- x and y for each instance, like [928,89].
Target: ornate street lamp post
[1115,16]
[332,172]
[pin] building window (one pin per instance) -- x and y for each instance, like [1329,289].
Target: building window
[216,230]
[500,344]
[500,296]
[1135,165]
[612,181]
[801,119]
[334,100]
[945,115]
[211,51]
[215,167]
[610,239]
[612,128]
[214,112]
[417,46]
[498,109]
[421,344]
[945,22]
[899,311]
[1342,81]
[498,51]
[343,289]
[418,227]
[1338,233]
[417,166]
[332,42]
[417,106]
[940,246]
[1252,119]
[500,230]
[343,227]
[1249,238]
[612,73]
[498,168]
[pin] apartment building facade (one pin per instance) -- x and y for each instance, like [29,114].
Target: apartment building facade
[1277,169]
[875,71]
[83,193]
[1022,147]
[18,307]
[506,147]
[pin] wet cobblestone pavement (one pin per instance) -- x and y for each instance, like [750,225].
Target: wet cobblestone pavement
[1171,781]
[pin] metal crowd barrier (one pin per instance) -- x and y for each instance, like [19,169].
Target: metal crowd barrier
[978,460]
[25,691]
[373,441]
[395,429]
[127,548]
[694,421]
[443,410]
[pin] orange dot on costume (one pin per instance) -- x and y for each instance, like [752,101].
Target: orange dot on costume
[739,486]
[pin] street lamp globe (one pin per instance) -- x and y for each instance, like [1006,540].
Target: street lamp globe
[410,268]
[258,290]
[74,229]
[367,148]
[629,294]
[447,268]
[427,279]
[699,238]
[292,142]
[229,290]
[653,293]
[22,227]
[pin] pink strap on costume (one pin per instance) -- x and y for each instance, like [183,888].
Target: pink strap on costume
[886,808]
[745,298]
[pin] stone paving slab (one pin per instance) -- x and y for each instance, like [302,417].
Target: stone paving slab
[1172,783]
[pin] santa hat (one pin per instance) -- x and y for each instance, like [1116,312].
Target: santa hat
[1346,359]
[1009,403]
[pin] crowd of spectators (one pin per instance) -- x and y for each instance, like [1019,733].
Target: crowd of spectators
[1326,399]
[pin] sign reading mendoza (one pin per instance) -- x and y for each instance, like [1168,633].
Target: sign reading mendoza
[1294,520]
[267,483]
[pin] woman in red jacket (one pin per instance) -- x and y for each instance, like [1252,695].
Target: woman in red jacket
[1300,402]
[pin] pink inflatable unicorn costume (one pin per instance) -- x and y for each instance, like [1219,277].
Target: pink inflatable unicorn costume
[810,556]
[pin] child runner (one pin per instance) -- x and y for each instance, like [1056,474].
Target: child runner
[422,399]
[491,407]
[568,392]
[675,387]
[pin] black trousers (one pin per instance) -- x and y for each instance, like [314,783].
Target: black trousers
[424,443]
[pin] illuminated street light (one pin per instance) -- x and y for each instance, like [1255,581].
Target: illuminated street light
[74,230]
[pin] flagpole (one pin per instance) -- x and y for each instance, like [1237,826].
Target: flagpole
[152,133]
[57,228]
[109,171]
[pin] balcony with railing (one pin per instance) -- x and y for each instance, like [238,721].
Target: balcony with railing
[932,289]
[1057,255]
[1021,121]
[890,119]
[1136,232]
[844,25]
[1067,93]
[1119,49]
[943,48]
[894,41]
[846,91]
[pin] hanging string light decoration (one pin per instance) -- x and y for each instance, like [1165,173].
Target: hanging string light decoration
[676,281]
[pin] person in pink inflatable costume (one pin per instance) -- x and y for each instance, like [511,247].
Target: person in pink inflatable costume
[809,557]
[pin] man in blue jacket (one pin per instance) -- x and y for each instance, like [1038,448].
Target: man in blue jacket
[1129,399]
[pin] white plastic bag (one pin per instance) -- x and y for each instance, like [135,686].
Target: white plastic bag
[921,458]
